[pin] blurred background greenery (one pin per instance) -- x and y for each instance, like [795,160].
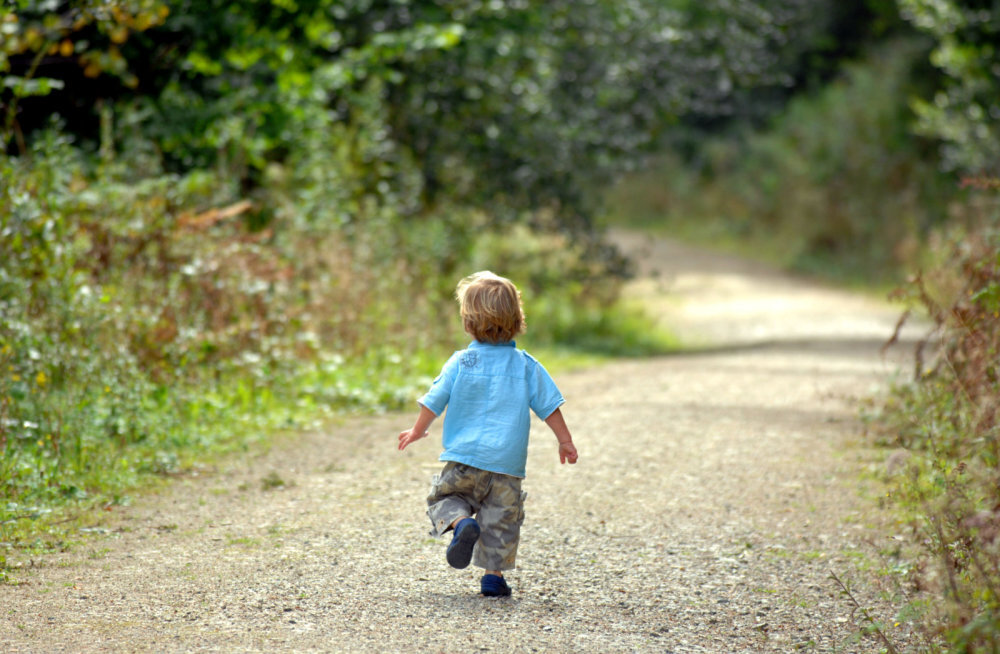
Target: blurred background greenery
[221,219]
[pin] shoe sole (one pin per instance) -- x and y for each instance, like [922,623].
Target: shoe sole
[495,590]
[459,553]
[501,593]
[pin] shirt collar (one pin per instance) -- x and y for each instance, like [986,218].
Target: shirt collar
[479,345]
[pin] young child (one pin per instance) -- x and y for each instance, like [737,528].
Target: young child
[488,389]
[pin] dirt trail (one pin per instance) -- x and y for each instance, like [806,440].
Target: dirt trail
[715,494]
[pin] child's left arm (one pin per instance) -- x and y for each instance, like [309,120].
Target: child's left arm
[419,429]
[567,451]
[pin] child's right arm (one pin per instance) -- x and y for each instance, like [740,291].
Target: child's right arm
[419,429]
[567,451]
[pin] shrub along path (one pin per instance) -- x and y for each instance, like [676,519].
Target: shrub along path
[715,494]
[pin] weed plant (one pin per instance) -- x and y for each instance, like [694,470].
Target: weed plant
[946,427]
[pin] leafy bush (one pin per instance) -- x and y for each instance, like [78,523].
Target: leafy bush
[948,422]
[145,318]
[963,111]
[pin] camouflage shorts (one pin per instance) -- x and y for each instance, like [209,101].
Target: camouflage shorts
[496,501]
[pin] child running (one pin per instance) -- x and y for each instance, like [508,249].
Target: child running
[488,389]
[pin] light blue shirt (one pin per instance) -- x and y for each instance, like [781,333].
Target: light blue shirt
[488,390]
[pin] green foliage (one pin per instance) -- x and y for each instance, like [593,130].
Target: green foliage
[948,422]
[518,105]
[87,35]
[837,185]
[964,112]
[136,331]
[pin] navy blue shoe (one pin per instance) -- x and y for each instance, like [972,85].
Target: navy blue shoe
[460,550]
[494,586]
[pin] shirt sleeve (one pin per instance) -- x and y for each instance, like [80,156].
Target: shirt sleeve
[545,396]
[436,399]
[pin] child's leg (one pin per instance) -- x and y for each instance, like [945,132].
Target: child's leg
[500,518]
[452,497]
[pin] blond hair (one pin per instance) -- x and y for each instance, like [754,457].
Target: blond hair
[491,307]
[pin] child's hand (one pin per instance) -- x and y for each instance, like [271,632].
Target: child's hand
[567,452]
[419,428]
[408,436]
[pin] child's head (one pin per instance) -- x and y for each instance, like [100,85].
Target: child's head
[491,307]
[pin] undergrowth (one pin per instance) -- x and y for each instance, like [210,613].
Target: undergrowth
[945,429]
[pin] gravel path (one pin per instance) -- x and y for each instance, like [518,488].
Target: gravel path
[715,494]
